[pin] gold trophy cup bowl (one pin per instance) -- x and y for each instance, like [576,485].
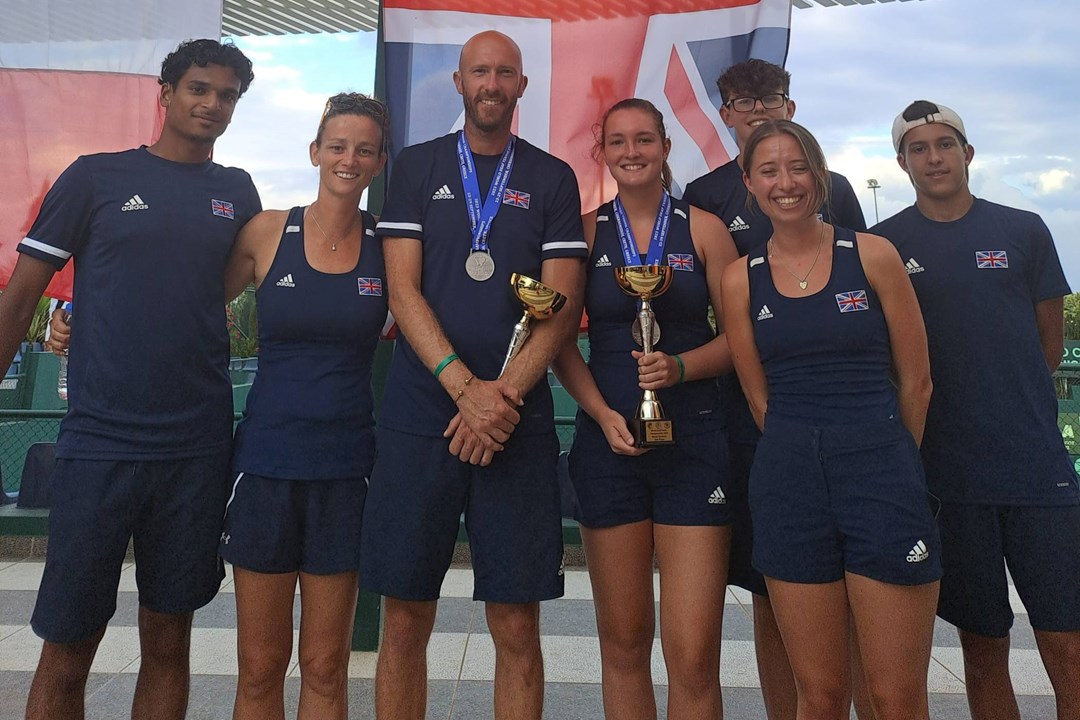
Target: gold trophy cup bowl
[646,282]
[539,302]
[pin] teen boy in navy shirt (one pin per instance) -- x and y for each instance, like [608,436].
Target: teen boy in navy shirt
[991,290]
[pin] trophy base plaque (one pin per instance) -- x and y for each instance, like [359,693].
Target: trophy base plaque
[652,432]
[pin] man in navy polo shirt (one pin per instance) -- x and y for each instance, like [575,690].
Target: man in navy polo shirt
[143,452]
[990,286]
[463,212]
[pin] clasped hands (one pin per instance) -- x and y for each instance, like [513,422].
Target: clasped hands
[487,415]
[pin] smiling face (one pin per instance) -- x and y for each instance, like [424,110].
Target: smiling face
[200,106]
[936,161]
[744,123]
[634,148]
[786,183]
[350,154]
[490,81]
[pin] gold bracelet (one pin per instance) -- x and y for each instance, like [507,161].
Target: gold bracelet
[462,390]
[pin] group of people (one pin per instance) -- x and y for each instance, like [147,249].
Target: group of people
[799,406]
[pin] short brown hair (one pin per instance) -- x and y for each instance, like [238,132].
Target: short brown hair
[754,77]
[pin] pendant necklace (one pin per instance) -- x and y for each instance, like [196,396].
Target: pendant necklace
[333,243]
[802,280]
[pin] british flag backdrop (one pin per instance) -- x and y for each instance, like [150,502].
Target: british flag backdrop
[582,57]
[76,78]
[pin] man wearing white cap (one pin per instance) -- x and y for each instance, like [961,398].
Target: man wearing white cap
[990,286]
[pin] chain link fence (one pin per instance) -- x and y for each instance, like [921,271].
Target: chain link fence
[1067,384]
[19,430]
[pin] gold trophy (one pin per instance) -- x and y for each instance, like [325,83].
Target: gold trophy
[540,301]
[645,282]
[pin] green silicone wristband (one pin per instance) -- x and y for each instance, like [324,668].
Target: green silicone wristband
[445,361]
[682,368]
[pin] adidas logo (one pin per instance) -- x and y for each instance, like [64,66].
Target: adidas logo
[603,261]
[765,313]
[443,193]
[718,497]
[135,203]
[918,553]
[225,538]
[738,224]
[286,281]
[913,267]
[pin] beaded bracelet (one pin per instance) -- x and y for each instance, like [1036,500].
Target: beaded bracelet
[682,369]
[445,361]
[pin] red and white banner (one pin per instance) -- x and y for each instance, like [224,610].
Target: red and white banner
[581,58]
[76,78]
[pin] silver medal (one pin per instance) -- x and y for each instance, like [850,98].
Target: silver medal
[479,265]
[635,331]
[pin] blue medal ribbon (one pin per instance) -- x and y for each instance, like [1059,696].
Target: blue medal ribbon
[482,216]
[631,256]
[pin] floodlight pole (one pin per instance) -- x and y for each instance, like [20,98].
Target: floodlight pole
[874,185]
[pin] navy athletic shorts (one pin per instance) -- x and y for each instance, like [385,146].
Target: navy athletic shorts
[417,494]
[284,526]
[838,498]
[741,570]
[173,511]
[681,484]
[1041,546]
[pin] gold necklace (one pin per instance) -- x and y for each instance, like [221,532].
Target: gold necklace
[802,280]
[333,243]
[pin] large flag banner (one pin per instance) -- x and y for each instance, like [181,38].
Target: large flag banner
[581,58]
[79,77]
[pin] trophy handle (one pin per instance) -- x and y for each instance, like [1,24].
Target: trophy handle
[517,339]
[647,320]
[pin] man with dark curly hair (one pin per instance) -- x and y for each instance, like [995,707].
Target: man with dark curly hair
[143,452]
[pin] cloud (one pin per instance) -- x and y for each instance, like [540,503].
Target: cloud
[1053,180]
[1005,67]
[277,118]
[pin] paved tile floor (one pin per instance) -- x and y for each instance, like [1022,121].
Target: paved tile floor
[461,658]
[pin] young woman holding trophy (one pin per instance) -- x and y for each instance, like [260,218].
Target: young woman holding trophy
[649,468]
[818,319]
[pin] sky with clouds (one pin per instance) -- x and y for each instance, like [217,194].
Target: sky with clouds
[1010,68]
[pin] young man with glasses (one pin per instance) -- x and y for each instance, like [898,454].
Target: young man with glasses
[992,450]
[753,92]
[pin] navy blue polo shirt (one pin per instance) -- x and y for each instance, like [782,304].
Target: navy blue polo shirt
[991,430]
[426,201]
[148,373]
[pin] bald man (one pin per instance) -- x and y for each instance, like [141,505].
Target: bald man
[463,213]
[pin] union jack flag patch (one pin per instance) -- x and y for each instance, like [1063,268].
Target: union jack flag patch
[681,261]
[516,198]
[853,301]
[991,259]
[223,209]
[370,286]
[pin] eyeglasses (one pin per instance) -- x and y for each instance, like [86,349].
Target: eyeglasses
[772,101]
[344,102]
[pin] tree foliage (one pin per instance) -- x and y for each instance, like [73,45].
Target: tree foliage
[1072,316]
[243,325]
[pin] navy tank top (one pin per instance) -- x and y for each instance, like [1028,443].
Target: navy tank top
[826,356]
[309,413]
[682,313]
